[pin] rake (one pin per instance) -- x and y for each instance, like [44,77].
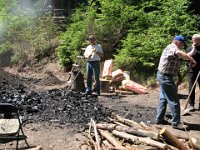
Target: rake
[184,110]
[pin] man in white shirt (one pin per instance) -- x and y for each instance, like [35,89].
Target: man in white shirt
[93,54]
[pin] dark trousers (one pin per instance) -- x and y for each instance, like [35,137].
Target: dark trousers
[93,67]
[192,77]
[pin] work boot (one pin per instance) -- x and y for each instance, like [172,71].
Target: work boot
[162,122]
[96,94]
[180,126]
[87,93]
[191,107]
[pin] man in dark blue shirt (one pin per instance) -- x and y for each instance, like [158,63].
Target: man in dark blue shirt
[194,51]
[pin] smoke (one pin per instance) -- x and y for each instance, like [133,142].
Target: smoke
[14,11]
[21,8]
[36,8]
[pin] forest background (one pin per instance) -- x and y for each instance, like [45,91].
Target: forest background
[132,32]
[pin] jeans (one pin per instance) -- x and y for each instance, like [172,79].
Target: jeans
[93,67]
[168,95]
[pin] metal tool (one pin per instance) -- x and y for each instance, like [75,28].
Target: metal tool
[74,66]
[68,88]
[184,110]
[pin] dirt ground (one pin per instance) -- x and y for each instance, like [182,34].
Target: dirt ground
[70,137]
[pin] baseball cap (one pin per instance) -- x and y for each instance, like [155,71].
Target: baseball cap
[180,38]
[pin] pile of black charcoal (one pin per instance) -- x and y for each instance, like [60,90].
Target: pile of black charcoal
[57,105]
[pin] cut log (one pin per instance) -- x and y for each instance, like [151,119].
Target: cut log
[115,142]
[172,139]
[123,92]
[172,147]
[90,137]
[116,122]
[133,138]
[126,121]
[195,142]
[107,145]
[146,127]
[143,147]
[35,148]
[96,135]
[130,130]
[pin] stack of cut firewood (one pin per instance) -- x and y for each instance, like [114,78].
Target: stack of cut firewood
[124,134]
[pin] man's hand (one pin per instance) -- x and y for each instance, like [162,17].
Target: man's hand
[194,44]
[94,50]
[192,63]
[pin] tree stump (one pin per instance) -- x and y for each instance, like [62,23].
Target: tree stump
[105,85]
[78,84]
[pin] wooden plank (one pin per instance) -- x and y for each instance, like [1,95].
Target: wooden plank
[123,92]
[35,148]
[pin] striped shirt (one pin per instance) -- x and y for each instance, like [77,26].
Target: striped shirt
[169,62]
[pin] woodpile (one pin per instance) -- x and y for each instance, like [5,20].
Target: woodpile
[124,134]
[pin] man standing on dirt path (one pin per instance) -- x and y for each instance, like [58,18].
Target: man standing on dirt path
[169,66]
[194,52]
[93,54]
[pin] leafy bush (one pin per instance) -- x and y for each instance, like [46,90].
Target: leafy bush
[5,55]
[26,32]
[72,40]
[155,27]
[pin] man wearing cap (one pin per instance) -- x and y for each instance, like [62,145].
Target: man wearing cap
[194,52]
[93,54]
[169,66]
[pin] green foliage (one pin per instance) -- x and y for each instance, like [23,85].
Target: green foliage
[112,24]
[154,28]
[28,33]
[19,58]
[107,20]
[5,54]
[152,82]
[72,40]
[5,46]
[133,33]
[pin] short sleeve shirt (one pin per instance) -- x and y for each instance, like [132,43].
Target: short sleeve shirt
[169,61]
[196,57]
[94,56]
